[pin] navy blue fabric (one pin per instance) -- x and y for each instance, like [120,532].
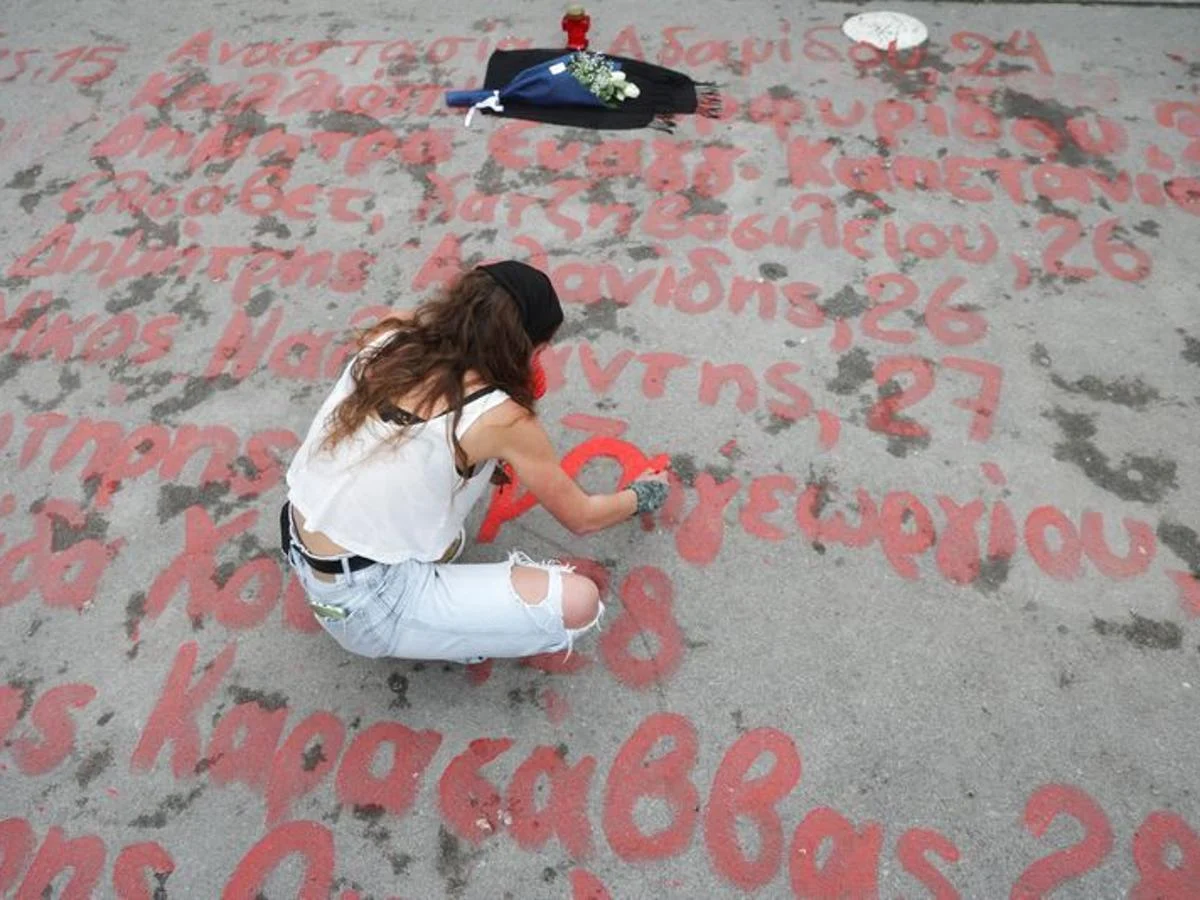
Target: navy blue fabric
[665,94]
[536,86]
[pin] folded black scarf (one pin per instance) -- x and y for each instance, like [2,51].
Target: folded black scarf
[665,94]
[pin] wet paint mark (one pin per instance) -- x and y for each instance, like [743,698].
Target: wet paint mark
[684,466]
[372,814]
[63,535]
[196,390]
[399,862]
[25,179]
[854,369]
[26,687]
[93,765]
[1149,634]
[490,178]
[1191,348]
[1183,542]
[1048,207]
[521,696]
[165,232]
[271,225]
[313,757]
[1131,392]
[270,702]
[993,572]
[260,303]
[135,611]
[398,685]
[1146,479]
[596,319]
[140,290]
[776,424]
[69,381]
[846,304]
[453,864]
[1011,104]
[170,807]
[174,499]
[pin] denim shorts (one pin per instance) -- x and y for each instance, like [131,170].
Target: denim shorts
[460,612]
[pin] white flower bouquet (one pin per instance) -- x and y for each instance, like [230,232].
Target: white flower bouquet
[602,77]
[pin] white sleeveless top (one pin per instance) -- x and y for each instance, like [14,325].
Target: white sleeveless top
[388,501]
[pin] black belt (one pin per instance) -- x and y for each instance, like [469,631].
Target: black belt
[328,566]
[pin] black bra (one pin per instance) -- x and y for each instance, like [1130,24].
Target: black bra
[397,416]
[394,415]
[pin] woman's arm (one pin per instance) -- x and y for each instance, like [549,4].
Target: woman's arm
[517,437]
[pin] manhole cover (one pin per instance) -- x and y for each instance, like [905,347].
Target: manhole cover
[883,29]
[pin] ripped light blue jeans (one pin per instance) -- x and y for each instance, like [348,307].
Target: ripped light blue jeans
[461,612]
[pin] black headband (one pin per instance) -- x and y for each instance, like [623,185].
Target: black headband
[541,313]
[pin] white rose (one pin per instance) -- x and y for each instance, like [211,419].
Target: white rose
[632,90]
[618,75]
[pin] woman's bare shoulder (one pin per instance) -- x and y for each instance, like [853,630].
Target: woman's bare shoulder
[497,430]
[506,414]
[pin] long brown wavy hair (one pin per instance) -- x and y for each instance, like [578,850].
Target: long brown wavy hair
[473,325]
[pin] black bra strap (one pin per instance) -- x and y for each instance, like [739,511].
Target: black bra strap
[397,416]
[475,395]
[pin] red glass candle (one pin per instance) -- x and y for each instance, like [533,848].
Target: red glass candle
[576,24]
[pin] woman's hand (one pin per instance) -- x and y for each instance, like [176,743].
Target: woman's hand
[651,489]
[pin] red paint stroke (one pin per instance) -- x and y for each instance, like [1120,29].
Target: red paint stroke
[851,869]
[1159,832]
[51,717]
[666,777]
[599,425]
[310,841]
[173,719]
[646,608]
[1052,871]
[735,798]
[1189,591]
[912,851]
[395,790]
[136,865]
[586,886]
[469,803]
[304,760]
[83,856]
[479,673]
[564,812]
[555,705]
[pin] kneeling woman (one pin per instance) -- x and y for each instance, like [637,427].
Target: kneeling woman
[400,452]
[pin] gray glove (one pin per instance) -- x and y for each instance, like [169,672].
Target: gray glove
[651,495]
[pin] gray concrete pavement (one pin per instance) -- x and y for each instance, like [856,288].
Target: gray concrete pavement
[919,334]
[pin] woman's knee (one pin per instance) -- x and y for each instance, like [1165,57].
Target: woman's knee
[581,600]
[580,595]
